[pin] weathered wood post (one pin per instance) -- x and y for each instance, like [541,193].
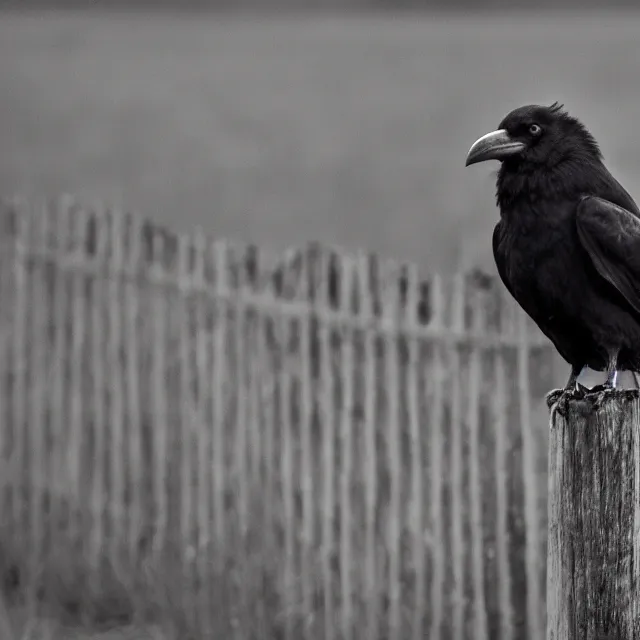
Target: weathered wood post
[593,561]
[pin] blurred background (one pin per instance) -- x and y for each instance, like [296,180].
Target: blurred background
[279,123]
[282,121]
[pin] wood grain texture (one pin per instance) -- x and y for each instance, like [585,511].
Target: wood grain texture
[593,566]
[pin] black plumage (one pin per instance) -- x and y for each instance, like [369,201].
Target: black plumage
[567,245]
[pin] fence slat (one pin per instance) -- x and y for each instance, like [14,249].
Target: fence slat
[240,455]
[186,427]
[262,451]
[346,459]
[286,479]
[77,432]
[307,466]
[268,391]
[219,421]
[8,433]
[475,480]
[535,617]
[36,424]
[499,419]
[135,377]
[202,542]
[19,396]
[159,418]
[417,467]
[98,401]
[370,467]
[435,394]
[328,430]
[392,437]
[457,497]
[117,499]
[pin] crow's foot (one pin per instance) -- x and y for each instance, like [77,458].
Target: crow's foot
[558,400]
[553,396]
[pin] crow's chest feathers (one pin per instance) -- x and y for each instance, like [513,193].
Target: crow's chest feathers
[536,254]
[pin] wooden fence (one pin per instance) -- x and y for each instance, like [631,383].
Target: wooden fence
[336,465]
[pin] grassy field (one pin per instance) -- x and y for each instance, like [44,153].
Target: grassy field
[351,131]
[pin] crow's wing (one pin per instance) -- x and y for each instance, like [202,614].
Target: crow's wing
[611,237]
[608,188]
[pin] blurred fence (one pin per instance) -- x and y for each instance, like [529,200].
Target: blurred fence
[327,447]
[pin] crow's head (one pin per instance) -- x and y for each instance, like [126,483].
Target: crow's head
[535,135]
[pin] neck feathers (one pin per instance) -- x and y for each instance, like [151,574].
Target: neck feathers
[533,183]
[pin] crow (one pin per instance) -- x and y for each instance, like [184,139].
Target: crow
[567,246]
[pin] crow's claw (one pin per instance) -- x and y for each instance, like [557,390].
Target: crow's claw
[558,400]
[582,391]
[554,396]
[598,394]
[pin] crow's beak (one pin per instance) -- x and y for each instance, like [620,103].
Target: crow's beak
[496,145]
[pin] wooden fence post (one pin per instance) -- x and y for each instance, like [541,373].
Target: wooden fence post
[593,561]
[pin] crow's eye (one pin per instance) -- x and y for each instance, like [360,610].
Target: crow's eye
[535,129]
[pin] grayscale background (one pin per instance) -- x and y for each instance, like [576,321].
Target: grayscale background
[286,121]
[181,459]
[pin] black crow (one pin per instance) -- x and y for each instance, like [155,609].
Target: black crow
[567,246]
